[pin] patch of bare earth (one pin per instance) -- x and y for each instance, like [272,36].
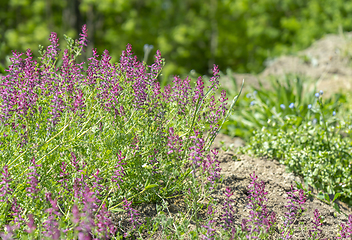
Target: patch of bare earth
[236,172]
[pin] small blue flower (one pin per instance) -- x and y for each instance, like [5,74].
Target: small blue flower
[147,47]
[317,95]
[333,113]
[292,105]
[282,106]
[255,92]
[309,106]
[252,103]
[314,121]
[321,92]
[249,95]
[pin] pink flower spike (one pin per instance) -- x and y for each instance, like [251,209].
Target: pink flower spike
[83,37]
[31,224]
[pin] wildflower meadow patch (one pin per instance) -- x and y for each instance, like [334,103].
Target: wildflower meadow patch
[81,142]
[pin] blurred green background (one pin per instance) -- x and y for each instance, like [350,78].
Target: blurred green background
[191,35]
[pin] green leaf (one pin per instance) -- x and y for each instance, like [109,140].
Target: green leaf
[299,185]
[337,208]
[336,196]
[117,210]
[327,198]
[151,186]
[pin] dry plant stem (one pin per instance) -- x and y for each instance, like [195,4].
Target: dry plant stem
[303,233]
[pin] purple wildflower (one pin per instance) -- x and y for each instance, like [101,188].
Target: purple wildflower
[51,225]
[215,78]
[175,143]
[132,213]
[215,113]
[153,161]
[244,226]
[31,224]
[33,180]
[5,190]
[199,90]
[210,230]
[197,150]
[259,215]
[83,37]
[317,223]
[64,177]
[181,93]
[10,232]
[74,162]
[76,216]
[58,107]
[85,219]
[119,172]
[97,187]
[228,217]
[346,230]
[93,68]
[17,88]
[16,211]
[295,209]
[104,225]
[53,49]
[211,167]
[222,108]
[167,93]
[156,67]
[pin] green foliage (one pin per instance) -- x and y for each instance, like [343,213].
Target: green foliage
[315,151]
[269,107]
[313,138]
[239,34]
[149,137]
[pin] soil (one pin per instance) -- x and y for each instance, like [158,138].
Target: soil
[236,171]
[326,63]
